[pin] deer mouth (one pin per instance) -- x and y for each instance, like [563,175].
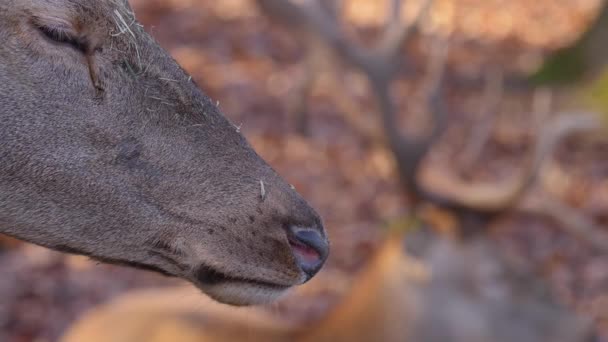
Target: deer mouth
[208,276]
[237,290]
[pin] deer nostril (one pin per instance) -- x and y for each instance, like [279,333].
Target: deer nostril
[310,249]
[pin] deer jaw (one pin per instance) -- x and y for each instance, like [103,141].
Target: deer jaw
[108,149]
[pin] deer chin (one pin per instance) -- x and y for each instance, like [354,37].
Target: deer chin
[243,293]
[237,291]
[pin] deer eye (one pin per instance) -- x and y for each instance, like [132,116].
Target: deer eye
[64,37]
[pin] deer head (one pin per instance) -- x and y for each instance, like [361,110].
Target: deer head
[109,149]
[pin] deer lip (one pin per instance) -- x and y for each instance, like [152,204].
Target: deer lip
[207,276]
[305,252]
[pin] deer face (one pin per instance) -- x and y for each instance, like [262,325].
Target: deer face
[108,149]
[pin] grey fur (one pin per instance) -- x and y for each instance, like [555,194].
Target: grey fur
[107,148]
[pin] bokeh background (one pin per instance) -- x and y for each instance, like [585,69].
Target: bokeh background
[314,118]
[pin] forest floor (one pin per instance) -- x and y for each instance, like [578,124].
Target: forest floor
[252,67]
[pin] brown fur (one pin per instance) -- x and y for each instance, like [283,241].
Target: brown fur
[108,149]
[453,292]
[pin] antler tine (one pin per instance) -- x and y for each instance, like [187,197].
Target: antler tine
[398,30]
[409,153]
[434,87]
[394,14]
[284,11]
[311,16]
[332,7]
[314,17]
[493,198]
[556,131]
[571,221]
[487,118]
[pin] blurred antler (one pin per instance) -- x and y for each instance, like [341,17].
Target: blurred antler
[313,16]
[493,198]
[381,66]
[570,220]
[488,115]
